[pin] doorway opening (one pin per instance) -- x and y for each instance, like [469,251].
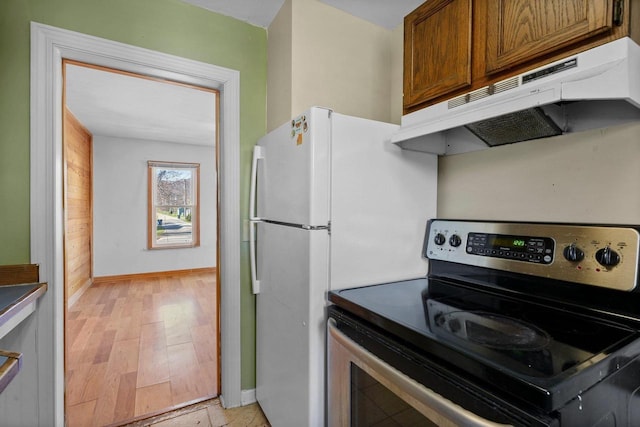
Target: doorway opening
[49,46]
[141,326]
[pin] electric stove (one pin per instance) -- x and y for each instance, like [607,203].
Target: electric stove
[520,323]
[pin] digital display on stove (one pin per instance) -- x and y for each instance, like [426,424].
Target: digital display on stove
[507,242]
[518,248]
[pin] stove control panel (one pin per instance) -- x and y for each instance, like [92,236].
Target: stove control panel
[521,248]
[605,256]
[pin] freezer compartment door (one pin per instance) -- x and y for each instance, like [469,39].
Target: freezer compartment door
[292,266]
[293,175]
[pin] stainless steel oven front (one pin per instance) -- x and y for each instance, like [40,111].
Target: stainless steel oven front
[364,390]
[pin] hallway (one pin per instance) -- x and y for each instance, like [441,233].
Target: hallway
[140,347]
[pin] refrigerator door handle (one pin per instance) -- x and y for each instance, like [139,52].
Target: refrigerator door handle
[257,155]
[255,283]
[253,219]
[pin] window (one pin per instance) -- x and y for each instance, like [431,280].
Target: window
[174,197]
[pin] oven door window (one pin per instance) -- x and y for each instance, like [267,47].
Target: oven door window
[372,404]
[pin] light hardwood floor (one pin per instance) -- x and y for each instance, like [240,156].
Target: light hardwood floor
[141,347]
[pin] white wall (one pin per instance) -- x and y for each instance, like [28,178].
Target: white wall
[590,177]
[397,72]
[120,207]
[331,58]
[279,68]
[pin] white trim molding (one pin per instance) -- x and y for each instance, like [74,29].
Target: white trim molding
[49,46]
[248,397]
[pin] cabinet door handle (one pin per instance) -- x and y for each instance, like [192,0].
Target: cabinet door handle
[618,12]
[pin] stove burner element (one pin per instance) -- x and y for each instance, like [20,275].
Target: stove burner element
[492,330]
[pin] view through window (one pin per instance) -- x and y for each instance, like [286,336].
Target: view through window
[173,204]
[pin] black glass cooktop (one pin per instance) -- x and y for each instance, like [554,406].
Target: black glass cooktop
[530,349]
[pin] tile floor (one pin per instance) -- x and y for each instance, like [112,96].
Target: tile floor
[208,414]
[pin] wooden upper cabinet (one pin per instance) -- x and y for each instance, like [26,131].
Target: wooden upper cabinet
[522,30]
[437,50]
[452,47]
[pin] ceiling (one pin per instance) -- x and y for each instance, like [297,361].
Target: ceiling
[385,13]
[118,105]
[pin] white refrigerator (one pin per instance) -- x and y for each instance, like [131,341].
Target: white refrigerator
[333,205]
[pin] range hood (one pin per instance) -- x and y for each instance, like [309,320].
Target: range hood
[593,89]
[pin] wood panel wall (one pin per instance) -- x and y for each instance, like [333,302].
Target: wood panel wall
[78,205]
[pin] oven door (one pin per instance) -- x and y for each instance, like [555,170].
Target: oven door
[363,390]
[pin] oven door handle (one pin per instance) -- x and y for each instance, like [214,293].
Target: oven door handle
[439,407]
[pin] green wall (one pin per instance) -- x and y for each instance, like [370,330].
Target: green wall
[169,26]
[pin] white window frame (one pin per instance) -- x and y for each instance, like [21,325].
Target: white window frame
[153,224]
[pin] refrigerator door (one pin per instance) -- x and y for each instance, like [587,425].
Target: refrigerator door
[293,175]
[381,199]
[290,331]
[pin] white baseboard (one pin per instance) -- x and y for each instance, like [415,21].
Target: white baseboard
[247,397]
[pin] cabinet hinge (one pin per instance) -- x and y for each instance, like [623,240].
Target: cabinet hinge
[618,12]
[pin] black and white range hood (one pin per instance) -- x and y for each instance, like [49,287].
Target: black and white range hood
[594,89]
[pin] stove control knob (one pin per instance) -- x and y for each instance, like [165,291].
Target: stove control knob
[573,253]
[439,239]
[607,257]
[454,325]
[455,240]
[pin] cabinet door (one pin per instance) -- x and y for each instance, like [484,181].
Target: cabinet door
[522,30]
[437,50]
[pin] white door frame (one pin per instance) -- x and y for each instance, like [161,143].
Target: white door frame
[49,46]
